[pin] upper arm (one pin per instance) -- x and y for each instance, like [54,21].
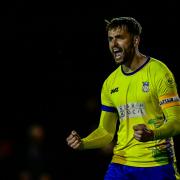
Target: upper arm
[108,121]
[109,115]
[166,89]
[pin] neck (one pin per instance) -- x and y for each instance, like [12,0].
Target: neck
[137,60]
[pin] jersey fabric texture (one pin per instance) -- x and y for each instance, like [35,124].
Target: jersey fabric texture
[141,97]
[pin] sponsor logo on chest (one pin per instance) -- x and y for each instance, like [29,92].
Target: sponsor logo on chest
[114,90]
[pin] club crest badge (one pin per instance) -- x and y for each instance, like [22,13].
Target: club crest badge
[145,87]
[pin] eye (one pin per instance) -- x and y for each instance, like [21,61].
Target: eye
[120,37]
[110,39]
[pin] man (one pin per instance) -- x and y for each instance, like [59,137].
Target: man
[142,94]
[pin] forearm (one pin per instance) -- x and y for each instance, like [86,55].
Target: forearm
[97,139]
[104,134]
[172,126]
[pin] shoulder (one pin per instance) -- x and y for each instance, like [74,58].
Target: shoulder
[158,66]
[111,78]
[160,72]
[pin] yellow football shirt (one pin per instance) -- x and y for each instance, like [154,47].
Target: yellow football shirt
[140,98]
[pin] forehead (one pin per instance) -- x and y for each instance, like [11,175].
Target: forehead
[118,31]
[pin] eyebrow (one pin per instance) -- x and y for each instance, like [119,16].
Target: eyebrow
[117,36]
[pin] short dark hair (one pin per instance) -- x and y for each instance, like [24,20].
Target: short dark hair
[132,25]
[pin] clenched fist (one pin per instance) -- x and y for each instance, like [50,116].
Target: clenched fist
[74,140]
[142,133]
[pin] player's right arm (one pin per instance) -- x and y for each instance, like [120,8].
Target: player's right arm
[104,133]
[100,137]
[74,140]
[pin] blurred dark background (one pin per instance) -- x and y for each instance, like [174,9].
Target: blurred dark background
[54,59]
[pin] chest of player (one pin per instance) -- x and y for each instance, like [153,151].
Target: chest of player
[131,89]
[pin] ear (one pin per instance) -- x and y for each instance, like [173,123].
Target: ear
[136,40]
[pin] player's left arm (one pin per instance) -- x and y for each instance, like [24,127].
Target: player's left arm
[172,126]
[170,103]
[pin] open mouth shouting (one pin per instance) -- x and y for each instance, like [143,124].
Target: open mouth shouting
[118,54]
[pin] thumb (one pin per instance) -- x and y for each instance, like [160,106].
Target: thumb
[139,127]
[73,133]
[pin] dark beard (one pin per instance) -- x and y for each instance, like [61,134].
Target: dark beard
[129,54]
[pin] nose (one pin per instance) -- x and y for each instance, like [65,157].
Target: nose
[114,42]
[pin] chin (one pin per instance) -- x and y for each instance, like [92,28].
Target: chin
[119,61]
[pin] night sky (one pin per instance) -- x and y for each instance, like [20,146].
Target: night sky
[54,61]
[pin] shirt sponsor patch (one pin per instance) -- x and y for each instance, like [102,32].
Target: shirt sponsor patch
[131,110]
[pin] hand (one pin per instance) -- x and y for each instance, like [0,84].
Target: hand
[74,140]
[142,133]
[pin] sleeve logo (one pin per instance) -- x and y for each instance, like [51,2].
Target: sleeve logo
[170,81]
